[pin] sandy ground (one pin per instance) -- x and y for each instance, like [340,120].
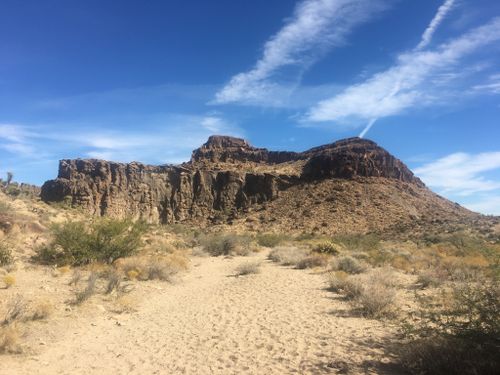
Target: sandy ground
[280,321]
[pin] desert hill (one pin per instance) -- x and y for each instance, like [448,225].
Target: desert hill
[352,185]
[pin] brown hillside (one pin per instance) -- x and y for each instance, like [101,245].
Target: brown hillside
[352,185]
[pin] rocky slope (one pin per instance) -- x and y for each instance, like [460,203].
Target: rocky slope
[349,185]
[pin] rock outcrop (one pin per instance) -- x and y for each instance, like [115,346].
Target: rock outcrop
[225,179]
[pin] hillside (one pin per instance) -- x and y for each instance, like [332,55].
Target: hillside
[352,185]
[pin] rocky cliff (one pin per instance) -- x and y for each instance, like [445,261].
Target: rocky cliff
[227,179]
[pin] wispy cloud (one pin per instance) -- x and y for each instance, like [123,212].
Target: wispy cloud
[492,86]
[315,27]
[408,84]
[486,204]
[170,139]
[461,174]
[436,21]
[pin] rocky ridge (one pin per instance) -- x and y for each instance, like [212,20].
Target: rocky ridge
[227,180]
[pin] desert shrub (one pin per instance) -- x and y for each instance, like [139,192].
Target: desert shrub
[16,310]
[455,333]
[348,264]
[159,271]
[226,244]
[288,255]
[9,339]
[269,239]
[359,242]
[125,304]
[5,208]
[444,355]
[105,240]
[156,268]
[89,291]
[352,288]
[431,277]
[247,268]
[337,281]
[6,257]
[327,247]
[113,282]
[41,310]
[9,280]
[375,300]
[312,261]
[76,276]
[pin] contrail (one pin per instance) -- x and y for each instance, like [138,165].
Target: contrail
[436,21]
[368,127]
[424,42]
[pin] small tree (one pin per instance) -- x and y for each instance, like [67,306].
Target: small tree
[10,176]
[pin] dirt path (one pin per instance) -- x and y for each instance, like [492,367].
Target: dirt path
[280,321]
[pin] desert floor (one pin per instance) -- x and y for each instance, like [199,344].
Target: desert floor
[279,321]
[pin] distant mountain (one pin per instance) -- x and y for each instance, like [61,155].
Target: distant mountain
[352,185]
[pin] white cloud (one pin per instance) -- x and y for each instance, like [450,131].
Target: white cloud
[436,21]
[488,205]
[492,86]
[407,84]
[317,25]
[461,173]
[15,139]
[171,138]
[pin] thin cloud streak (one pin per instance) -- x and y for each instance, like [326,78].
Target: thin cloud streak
[379,97]
[424,41]
[436,21]
[316,26]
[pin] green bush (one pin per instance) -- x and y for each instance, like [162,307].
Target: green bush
[5,254]
[269,239]
[5,208]
[226,244]
[105,240]
[459,335]
[327,247]
[349,264]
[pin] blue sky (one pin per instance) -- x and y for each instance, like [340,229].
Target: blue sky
[150,81]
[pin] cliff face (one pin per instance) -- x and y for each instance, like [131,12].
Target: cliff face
[225,179]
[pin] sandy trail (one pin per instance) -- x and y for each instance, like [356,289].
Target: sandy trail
[280,321]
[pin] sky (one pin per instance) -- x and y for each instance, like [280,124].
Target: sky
[149,81]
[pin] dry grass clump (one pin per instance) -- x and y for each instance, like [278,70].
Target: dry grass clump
[376,299]
[155,268]
[89,291]
[313,261]
[270,239]
[9,340]
[41,310]
[16,310]
[372,295]
[337,281]
[227,244]
[348,264]
[455,335]
[327,247]
[114,281]
[288,255]
[6,257]
[431,277]
[247,268]
[9,280]
[125,304]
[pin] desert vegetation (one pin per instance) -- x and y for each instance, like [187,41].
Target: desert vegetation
[104,240]
[437,295]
